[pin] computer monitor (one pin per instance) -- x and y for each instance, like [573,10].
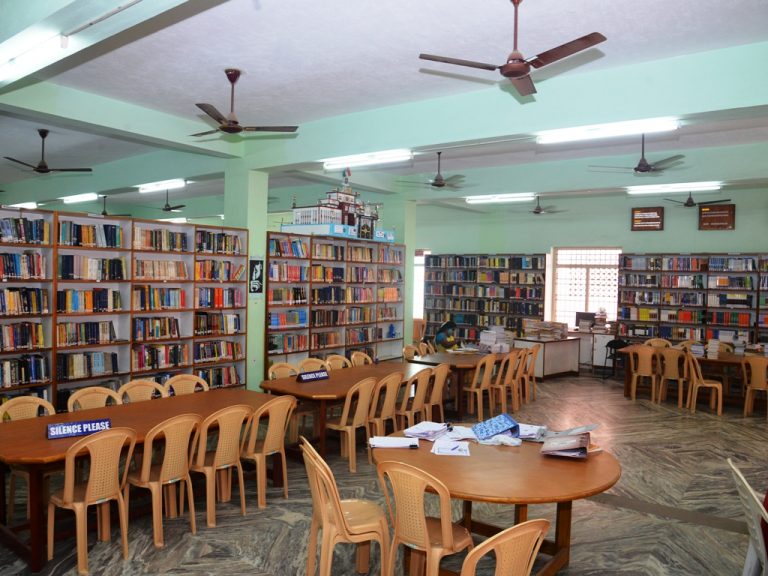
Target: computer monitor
[585,317]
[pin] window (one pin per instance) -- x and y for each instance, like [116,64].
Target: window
[418,283]
[586,280]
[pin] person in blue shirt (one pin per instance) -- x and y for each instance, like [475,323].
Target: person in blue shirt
[444,339]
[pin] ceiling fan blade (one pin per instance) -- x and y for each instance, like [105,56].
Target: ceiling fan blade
[565,50]
[270,128]
[70,169]
[205,133]
[458,62]
[611,168]
[210,109]
[524,85]
[454,179]
[669,160]
[20,162]
[675,201]
[177,207]
[713,202]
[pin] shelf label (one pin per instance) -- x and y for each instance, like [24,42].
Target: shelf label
[312,376]
[79,428]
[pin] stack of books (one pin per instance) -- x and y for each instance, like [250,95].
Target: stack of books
[713,348]
[697,349]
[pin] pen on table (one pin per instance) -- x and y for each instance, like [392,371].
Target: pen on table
[455,448]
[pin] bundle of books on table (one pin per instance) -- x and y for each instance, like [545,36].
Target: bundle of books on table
[427,430]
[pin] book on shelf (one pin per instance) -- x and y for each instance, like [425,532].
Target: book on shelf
[25,231]
[27,265]
[92,300]
[18,301]
[21,336]
[159,239]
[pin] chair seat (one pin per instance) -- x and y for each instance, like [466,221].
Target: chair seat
[134,478]
[362,515]
[461,536]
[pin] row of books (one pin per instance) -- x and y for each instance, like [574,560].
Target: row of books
[742,282]
[148,297]
[287,343]
[284,272]
[160,239]
[25,231]
[389,255]
[732,264]
[388,294]
[18,301]
[327,273]
[155,328]
[287,296]
[361,274]
[325,340]
[82,333]
[527,308]
[27,265]
[491,320]
[339,317]
[678,333]
[21,336]
[493,262]
[159,356]
[642,280]
[491,277]
[496,306]
[743,319]
[639,297]
[287,247]
[160,270]
[730,300]
[219,297]
[638,313]
[389,276]
[526,278]
[90,235]
[217,350]
[287,319]
[521,292]
[219,376]
[74,365]
[682,316]
[682,299]
[218,270]
[212,323]
[76,267]
[361,254]
[208,242]
[388,313]
[328,252]
[93,300]
[683,281]
[26,369]
[450,261]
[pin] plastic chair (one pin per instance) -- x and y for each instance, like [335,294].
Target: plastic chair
[529,376]
[141,390]
[409,351]
[301,411]
[685,345]
[21,408]
[434,402]
[182,384]
[337,362]
[436,537]
[353,416]
[312,364]
[508,378]
[412,407]
[515,549]
[658,343]
[278,415]
[430,347]
[756,561]
[353,521]
[360,358]
[174,434]
[673,368]
[754,368]
[641,362]
[611,353]
[697,381]
[384,404]
[419,328]
[281,370]
[481,383]
[92,397]
[104,483]
[226,455]
[423,348]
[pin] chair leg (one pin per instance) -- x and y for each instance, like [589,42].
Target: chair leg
[156,492]
[122,513]
[749,401]
[12,497]
[694,397]
[210,496]
[51,513]
[351,450]
[81,523]
[241,482]
[191,498]
[312,547]
[261,481]
[363,557]
[326,552]
[285,474]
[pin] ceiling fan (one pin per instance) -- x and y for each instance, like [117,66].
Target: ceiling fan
[517,68]
[689,202]
[230,124]
[169,208]
[645,167]
[539,209]
[42,166]
[439,181]
[104,209]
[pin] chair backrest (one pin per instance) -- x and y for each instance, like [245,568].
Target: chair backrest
[91,397]
[505,367]
[23,407]
[312,364]
[141,390]
[419,327]
[104,451]
[641,360]
[754,511]
[278,414]
[176,432]
[385,406]
[686,344]
[530,367]
[616,344]
[420,384]
[430,346]
[409,485]
[281,370]
[337,362]
[229,422]
[694,369]
[671,361]
[182,384]
[423,348]
[521,363]
[439,377]
[658,343]
[755,373]
[360,358]
[724,347]
[359,397]
[515,549]
[409,351]
[484,372]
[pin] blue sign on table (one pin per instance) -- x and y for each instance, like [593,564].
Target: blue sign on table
[79,428]
[312,376]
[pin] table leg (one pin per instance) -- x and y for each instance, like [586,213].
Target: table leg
[521,513]
[560,549]
[4,469]
[321,426]
[37,526]
[461,374]
[466,518]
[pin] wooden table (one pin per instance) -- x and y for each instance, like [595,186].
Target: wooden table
[336,387]
[24,444]
[516,475]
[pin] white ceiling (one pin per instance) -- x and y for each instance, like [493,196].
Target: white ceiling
[304,60]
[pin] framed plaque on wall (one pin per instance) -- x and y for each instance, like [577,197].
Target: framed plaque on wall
[648,219]
[717,217]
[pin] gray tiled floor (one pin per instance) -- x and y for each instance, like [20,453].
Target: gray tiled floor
[674,511]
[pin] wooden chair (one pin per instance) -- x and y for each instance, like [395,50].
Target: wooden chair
[312,364]
[216,464]
[354,415]
[756,561]
[641,362]
[277,413]
[360,358]
[423,348]
[529,376]
[754,368]
[673,367]
[281,370]
[508,378]
[436,537]
[419,327]
[182,384]
[658,343]
[515,549]
[104,484]
[21,408]
[384,404]
[413,399]
[434,402]
[481,383]
[174,435]
[337,362]
[697,381]
[141,391]
[410,351]
[354,521]
[92,397]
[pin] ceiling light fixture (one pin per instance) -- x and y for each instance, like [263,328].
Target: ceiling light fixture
[368,159]
[500,198]
[22,205]
[679,187]
[162,185]
[610,130]
[177,220]
[74,199]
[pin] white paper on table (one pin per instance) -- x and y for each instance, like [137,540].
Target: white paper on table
[445,447]
[427,430]
[532,432]
[460,433]
[393,442]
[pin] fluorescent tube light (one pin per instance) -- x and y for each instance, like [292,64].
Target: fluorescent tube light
[369,159]
[173,184]
[678,187]
[179,220]
[607,130]
[74,199]
[22,205]
[500,198]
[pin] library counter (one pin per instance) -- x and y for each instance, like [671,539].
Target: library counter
[556,357]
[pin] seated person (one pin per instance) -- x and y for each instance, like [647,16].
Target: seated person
[444,339]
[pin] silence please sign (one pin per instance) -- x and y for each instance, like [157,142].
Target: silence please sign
[80,428]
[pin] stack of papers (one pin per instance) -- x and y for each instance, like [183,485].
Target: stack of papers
[426,430]
[393,442]
[444,447]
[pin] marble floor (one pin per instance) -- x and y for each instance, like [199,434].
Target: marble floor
[674,510]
